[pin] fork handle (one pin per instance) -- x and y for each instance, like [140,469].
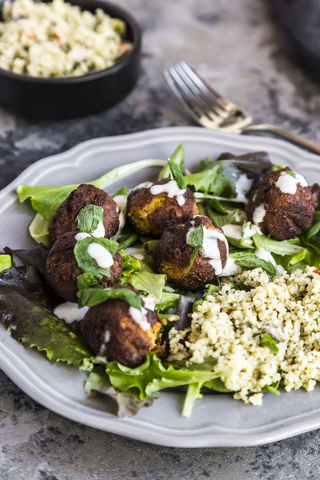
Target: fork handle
[284,135]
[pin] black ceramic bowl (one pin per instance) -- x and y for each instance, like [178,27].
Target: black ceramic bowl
[59,98]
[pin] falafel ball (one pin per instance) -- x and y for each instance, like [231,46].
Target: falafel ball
[122,333]
[152,206]
[62,269]
[282,205]
[64,219]
[172,254]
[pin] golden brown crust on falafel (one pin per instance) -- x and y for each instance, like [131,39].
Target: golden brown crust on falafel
[110,331]
[287,215]
[64,219]
[152,214]
[62,269]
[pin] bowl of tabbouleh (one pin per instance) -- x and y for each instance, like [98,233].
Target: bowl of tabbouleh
[66,59]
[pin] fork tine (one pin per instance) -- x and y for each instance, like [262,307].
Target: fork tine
[206,89]
[178,95]
[194,100]
[208,102]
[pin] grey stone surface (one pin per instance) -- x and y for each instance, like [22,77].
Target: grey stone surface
[237,47]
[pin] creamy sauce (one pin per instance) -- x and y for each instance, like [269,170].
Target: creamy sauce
[169,289]
[249,231]
[80,236]
[243,185]
[265,255]
[171,189]
[100,254]
[69,312]
[259,214]
[211,247]
[233,231]
[140,317]
[143,185]
[230,268]
[121,201]
[288,184]
[150,302]
[100,231]
[135,252]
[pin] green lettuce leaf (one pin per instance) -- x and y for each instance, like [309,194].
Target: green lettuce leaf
[178,158]
[129,264]
[35,326]
[126,240]
[154,375]
[283,247]
[39,230]
[128,402]
[219,177]
[168,300]
[233,218]
[177,175]
[146,281]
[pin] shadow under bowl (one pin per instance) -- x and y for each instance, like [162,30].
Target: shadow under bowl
[62,98]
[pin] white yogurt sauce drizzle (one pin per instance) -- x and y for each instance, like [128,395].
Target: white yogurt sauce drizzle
[265,255]
[243,185]
[140,317]
[288,184]
[230,268]
[100,231]
[171,188]
[100,254]
[121,201]
[210,246]
[135,252]
[150,302]
[69,312]
[233,231]
[80,236]
[258,215]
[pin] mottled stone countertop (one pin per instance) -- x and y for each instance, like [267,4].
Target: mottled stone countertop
[237,46]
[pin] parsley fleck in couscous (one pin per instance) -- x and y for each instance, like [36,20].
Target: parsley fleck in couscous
[230,325]
[58,39]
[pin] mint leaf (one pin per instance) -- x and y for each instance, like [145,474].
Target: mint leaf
[91,297]
[269,342]
[89,218]
[86,262]
[275,168]
[177,175]
[195,239]
[248,261]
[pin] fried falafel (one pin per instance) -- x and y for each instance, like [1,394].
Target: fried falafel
[119,332]
[152,206]
[62,268]
[172,254]
[282,205]
[64,219]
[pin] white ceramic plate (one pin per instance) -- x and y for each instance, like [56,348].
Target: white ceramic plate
[217,419]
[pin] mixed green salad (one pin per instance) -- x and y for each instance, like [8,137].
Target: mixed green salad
[26,303]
